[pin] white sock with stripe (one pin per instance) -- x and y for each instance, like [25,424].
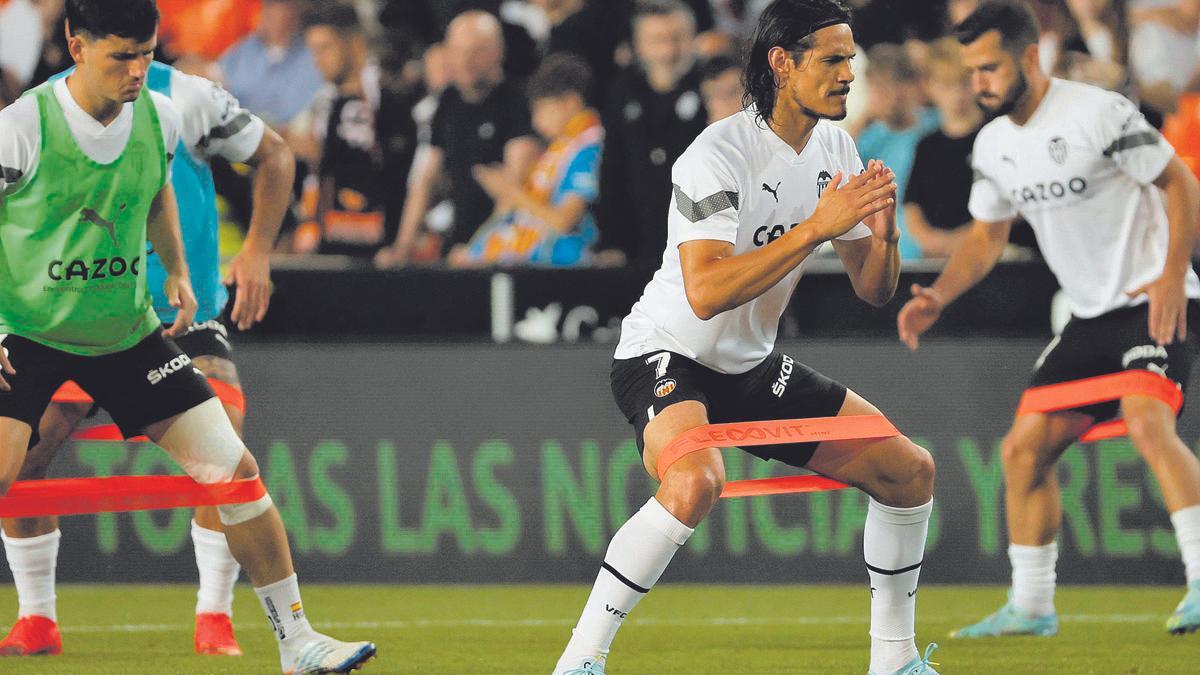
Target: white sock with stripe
[894,548]
[637,556]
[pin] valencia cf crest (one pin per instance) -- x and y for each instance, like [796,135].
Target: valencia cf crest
[664,387]
[1058,149]
[823,179]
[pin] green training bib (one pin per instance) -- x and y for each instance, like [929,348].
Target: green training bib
[73,238]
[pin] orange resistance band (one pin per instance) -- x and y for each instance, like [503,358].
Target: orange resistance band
[1092,390]
[72,496]
[776,432]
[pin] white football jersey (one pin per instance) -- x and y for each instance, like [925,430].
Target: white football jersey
[737,182]
[1081,171]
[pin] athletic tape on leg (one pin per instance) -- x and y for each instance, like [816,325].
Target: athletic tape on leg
[73,496]
[776,432]
[1093,390]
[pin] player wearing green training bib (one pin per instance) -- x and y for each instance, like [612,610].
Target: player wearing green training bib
[71,276]
[83,188]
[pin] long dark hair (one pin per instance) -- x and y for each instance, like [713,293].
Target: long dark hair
[789,24]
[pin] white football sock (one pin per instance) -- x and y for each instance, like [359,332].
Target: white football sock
[1187,533]
[33,561]
[281,602]
[218,571]
[894,547]
[1033,577]
[636,558]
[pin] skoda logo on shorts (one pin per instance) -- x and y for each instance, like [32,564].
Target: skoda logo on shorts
[664,387]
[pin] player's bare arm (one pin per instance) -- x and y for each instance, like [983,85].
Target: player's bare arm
[275,171]
[1168,297]
[873,263]
[970,263]
[717,281]
[162,229]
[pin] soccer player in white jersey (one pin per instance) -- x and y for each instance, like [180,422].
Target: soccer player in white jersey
[754,196]
[1091,177]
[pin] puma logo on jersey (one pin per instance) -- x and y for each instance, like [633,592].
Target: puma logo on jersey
[156,375]
[774,192]
[785,374]
[90,216]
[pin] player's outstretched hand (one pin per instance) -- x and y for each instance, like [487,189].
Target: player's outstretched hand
[1168,308]
[918,315]
[179,294]
[6,368]
[844,205]
[251,272]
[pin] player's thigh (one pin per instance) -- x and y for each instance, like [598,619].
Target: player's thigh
[778,388]
[149,383]
[1035,441]
[40,370]
[58,422]
[873,462]
[662,395]
[211,352]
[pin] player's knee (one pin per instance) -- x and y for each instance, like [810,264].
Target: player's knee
[922,470]
[1150,434]
[907,475]
[697,482]
[203,442]
[1021,458]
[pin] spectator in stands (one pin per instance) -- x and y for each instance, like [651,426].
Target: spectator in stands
[271,71]
[54,57]
[352,190]
[652,113]
[481,120]
[1162,48]
[935,203]
[721,87]
[898,123]
[549,220]
[584,28]
[20,46]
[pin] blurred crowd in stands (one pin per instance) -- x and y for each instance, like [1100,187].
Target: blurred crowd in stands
[477,133]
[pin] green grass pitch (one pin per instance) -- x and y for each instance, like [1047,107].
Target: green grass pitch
[679,628]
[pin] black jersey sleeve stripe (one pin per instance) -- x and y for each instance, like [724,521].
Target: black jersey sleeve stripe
[227,130]
[695,211]
[1132,141]
[622,578]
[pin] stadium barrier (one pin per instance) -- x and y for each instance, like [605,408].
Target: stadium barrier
[482,463]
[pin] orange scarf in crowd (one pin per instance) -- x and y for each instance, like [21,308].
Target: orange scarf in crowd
[519,239]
